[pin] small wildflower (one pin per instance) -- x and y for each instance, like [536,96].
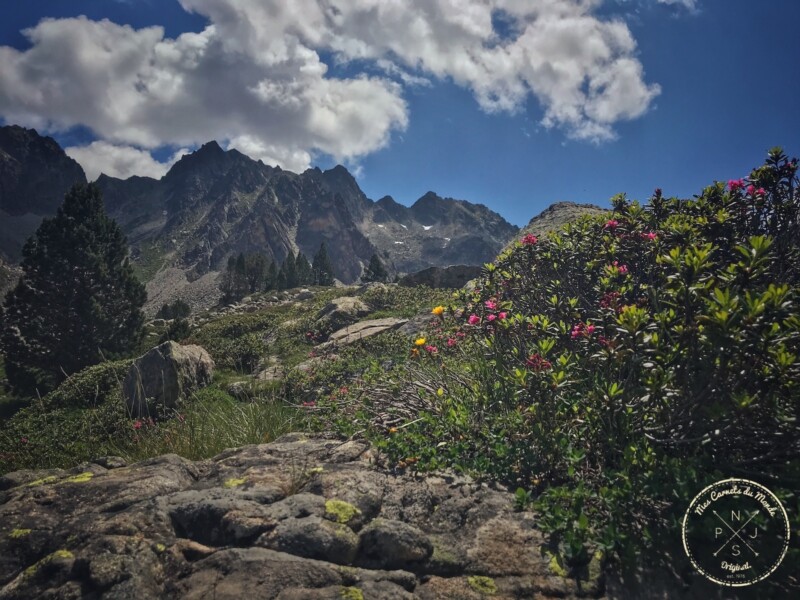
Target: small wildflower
[529,240]
[751,189]
[431,349]
[490,304]
[502,315]
[438,311]
[461,334]
[491,318]
[310,404]
[420,342]
[538,363]
[392,429]
[440,392]
[735,184]
[611,224]
[761,192]
[473,319]
[137,424]
[451,342]
[649,235]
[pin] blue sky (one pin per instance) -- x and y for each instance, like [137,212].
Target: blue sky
[511,103]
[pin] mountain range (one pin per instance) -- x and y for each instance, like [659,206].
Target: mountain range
[213,204]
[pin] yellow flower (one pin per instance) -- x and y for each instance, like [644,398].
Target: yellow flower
[438,311]
[420,342]
[392,429]
[440,392]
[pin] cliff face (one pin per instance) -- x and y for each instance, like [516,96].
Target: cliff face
[35,173]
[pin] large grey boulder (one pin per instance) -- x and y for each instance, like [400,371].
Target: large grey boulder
[164,376]
[341,312]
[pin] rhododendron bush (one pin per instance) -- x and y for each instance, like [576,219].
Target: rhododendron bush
[615,366]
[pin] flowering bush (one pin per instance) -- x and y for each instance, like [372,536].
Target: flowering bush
[637,357]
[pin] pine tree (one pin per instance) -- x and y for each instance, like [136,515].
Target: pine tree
[256,271]
[375,271]
[226,283]
[240,285]
[305,275]
[271,279]
[322,268]
[78,300]
[289,271]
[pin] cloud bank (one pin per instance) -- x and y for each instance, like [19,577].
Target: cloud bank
[255,79]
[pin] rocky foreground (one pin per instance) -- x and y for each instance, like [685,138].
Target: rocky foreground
[300,518]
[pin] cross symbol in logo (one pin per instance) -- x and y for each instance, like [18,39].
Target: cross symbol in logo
[735,533]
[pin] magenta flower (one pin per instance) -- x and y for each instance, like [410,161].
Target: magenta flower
[451,342]
[490,304]
[473,319]
[502,315]
[537,363]
[735,184]
[761,192]
[649,236]
[589,329]
[751,189]
[137,424]
[491,318]
[529,240]
[611,224]
[431,349]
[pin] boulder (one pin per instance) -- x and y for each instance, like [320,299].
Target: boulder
[341,312]
[164,376]
[361,330]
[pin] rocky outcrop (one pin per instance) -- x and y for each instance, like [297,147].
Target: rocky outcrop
[341,312]
[165,376]
[361,330]
[301,518]
[454,277]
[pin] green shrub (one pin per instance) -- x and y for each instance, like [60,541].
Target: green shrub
[618,364]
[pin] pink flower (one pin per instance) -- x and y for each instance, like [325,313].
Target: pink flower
[461,334]
[537,363]
[490,304]
[137,424]
[761,192]
[529,240]
[735,184]
[577,330]
[589,329]
[491,317]
[309,404]
[649,236]
[23,440]
[751,189]
[611,224]
[451,342]
[621,269]
[473,319]
[342,390]
[431,349]
[502,315]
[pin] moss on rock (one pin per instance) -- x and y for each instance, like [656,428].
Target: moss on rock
[340,511]
[482,585]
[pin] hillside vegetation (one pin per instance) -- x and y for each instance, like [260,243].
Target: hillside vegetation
[606,371]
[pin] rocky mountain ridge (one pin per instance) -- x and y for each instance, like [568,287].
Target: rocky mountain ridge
[35,173]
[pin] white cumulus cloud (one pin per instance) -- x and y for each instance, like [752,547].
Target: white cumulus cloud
[255,79]
[689,4]
[119,161]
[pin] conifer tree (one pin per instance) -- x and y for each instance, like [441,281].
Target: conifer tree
[78,300]
[289,270]
[256,271]
[375,271]
[240,285]
[305,275]
[271,279]
[322,268]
